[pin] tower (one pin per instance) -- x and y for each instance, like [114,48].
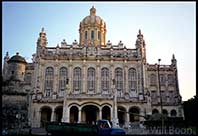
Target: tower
[92,30]
[173,61]
[42,40]
[141,46]
[16,68]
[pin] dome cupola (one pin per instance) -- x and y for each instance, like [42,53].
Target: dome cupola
[92,30]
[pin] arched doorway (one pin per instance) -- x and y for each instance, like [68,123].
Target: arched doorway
[173,113]
[59,113]
[155,111]
[121,115]
[74,114]
[90,114]
[165,112]
[134,114]
[45,115]
[106,113]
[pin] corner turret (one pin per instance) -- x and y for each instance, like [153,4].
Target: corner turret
[16,68]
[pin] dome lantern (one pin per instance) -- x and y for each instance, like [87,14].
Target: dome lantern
[93,11]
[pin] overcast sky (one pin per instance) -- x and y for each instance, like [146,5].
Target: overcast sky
[168,28]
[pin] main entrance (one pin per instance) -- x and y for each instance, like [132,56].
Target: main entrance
[90,114]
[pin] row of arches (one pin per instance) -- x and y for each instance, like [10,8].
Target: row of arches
[88,114]
[173,112]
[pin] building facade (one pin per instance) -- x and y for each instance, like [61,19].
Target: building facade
[94,79]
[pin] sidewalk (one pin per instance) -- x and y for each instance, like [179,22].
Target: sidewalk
[38,131]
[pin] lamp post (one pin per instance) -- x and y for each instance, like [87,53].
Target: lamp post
[18,117]
[115,112]
[65,108]
[162,118]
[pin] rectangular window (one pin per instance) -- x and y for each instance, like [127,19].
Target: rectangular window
[92,35]
[86,35]
[99,35]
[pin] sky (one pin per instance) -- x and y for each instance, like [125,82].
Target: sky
[168,28]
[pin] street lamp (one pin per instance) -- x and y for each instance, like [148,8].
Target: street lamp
[18,117]
[162,118]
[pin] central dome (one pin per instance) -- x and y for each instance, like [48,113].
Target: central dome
[92,30]
[92,18]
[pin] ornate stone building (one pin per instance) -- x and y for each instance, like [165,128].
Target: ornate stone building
[94,79]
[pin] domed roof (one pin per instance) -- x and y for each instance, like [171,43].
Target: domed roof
[92,18]
[17,58]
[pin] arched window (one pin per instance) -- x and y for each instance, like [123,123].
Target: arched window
[162,79]
[164,96]
[132,79]
[99,35]
[63,75]
[86,35]
[28,77]
[49,77]
[118,79]
[153,79]
[105,79]
[77,77]
[154,99]
[171,79]
[92,35]
[91,79]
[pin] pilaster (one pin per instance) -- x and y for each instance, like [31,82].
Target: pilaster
[84,76]
[98,79]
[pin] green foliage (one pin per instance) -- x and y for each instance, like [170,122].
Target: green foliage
[191,111]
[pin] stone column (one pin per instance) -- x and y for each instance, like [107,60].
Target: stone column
[52,116]
[66,110]
[79,115]
[65,117]
[142,114]
[112,114]
[38,124]
[100,113]
[115,110]
[127,119]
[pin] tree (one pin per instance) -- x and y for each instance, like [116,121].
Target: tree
[191,111]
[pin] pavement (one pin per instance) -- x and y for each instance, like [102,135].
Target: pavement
[38,131]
